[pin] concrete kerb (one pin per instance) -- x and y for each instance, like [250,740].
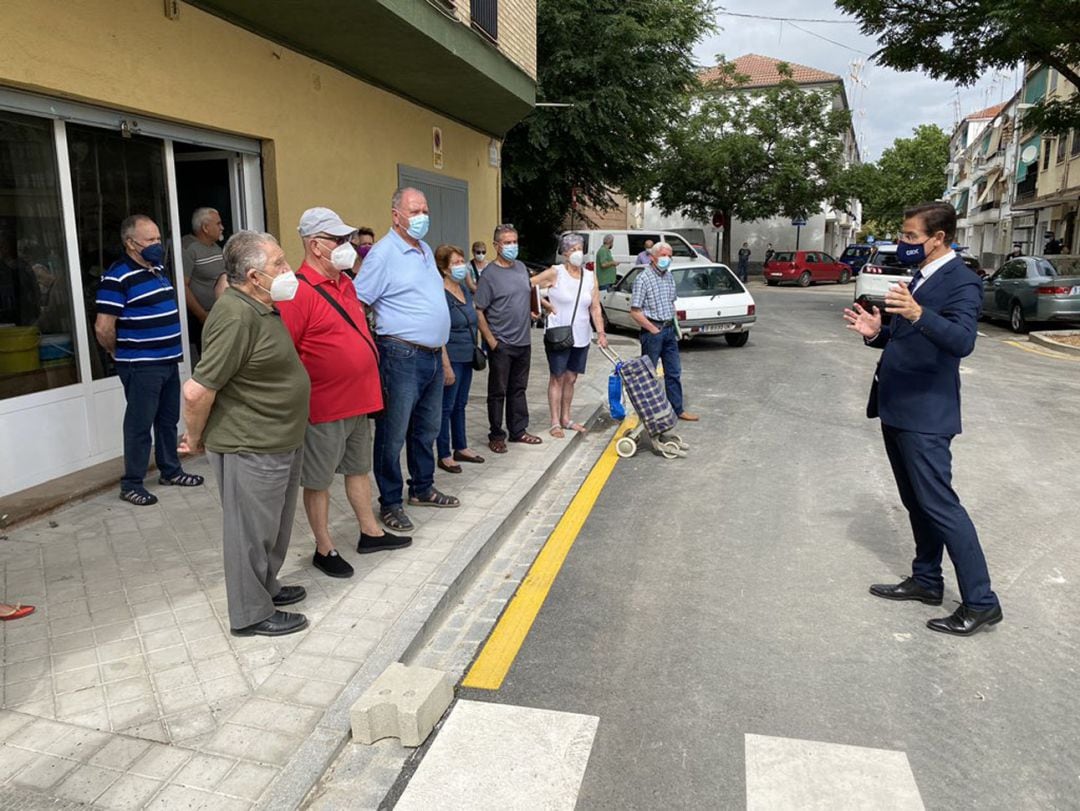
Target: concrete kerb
[1047,339]
[409,633]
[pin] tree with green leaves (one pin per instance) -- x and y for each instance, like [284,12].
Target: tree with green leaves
[618,63]
[910,171]
[751,154]
[961,40]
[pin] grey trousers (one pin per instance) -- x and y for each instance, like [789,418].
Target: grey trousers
[258,499]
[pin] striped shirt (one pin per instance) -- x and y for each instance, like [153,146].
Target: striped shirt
[144,303]
[654,294]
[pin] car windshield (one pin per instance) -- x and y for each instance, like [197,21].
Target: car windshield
[853,251]
[889,260]
[705,281]
[783,256]
[1065,265]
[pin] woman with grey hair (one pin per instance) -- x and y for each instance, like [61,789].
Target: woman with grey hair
[573,299]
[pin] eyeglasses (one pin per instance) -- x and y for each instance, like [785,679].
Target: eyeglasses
[335,240]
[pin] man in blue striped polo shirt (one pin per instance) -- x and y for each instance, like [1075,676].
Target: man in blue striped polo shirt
[139,325]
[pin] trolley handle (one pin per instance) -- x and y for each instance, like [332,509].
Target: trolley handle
[611,355]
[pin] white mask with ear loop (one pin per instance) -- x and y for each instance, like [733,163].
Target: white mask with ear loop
[283,287]
[576,258]
[343,257]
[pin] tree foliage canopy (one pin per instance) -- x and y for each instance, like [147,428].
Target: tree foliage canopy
[751,153]
[961,40]
[619,63]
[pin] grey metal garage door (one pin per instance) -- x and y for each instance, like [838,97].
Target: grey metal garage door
[448,201]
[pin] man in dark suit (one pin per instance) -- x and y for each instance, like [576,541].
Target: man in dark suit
[916,393]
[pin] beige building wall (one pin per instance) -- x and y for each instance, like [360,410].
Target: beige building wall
[329,139]
[517,30]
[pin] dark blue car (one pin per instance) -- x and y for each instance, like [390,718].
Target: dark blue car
[855,256]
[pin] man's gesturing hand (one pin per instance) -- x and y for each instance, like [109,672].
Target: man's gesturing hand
[865,322]
[900,301]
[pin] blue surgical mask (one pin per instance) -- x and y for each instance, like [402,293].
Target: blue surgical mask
[664,262]
[510,251]
[418,226]
[154,254]
[459,272]
[910,253]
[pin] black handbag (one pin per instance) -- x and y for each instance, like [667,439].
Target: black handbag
[559,339]
[479,359]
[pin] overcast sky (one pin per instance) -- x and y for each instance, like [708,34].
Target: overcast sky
[886,105]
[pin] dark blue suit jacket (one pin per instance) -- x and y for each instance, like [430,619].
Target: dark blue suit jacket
[917,383]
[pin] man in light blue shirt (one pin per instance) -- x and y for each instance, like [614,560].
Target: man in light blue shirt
[400,282]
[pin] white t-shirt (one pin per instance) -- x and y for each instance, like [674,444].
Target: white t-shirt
[562,295]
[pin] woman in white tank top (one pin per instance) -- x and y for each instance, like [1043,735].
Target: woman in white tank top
[563,283]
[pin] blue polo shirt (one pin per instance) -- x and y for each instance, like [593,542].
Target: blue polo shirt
[404,288]
[144,303]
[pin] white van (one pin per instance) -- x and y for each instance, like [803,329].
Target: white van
[628,244]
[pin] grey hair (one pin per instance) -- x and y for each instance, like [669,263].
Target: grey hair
[199,217]
[655,249]
[128,226]
[505,228]
[609,238]
[566,245]
[245,250]
[399,195]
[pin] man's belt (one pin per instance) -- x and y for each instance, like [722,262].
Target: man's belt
[419,347]
[657,322]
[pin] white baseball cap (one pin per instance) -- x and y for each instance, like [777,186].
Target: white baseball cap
[323,221]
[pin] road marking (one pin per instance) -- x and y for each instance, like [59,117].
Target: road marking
[496,756]
[792,773]
[1038,350]
[499,652]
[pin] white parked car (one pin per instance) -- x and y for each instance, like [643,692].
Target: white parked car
[626,246]
[711,302]
[881,271]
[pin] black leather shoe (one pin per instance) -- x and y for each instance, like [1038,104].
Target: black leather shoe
[907,589]
[278,624]
[377,543]
[965,621]
[289,595]
[332,564]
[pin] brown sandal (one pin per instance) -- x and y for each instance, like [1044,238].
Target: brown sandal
[528,439]
[498,445]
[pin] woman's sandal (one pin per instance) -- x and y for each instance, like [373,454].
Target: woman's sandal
[182,480]
[140,498]
[575,426]
[18,612]
[557,431]
[528,439]
[434,499]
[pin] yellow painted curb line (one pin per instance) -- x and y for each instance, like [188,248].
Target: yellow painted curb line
[1046,353]
[499,652]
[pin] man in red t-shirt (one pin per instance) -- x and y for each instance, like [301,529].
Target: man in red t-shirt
[328,326]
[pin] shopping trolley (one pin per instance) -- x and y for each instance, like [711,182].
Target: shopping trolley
[656,417]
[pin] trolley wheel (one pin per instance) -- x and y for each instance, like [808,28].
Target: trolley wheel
[671,450]
[625,447]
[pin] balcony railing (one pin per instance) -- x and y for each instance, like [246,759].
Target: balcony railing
[485,17]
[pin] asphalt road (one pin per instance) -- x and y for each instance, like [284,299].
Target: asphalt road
[726,595]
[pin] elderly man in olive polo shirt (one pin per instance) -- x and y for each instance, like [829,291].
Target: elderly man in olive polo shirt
[247,404]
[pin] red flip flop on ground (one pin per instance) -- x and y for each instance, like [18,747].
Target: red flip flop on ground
[18,612]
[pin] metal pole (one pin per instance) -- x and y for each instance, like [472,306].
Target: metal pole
[716,256]
[798,233]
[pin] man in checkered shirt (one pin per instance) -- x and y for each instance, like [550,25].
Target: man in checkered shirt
[652,305]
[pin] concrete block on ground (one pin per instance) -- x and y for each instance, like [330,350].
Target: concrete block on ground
[404,703]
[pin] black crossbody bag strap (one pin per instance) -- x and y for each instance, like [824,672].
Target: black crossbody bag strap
[342,313]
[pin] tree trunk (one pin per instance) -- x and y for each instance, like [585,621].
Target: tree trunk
[725,252]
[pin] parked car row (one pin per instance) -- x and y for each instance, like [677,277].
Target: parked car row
[805,268]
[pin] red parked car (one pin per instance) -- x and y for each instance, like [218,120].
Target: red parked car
[804,268]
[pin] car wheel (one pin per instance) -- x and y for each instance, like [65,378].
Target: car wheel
[737,339]
[845,277]
[805,279]
[1017,322]
[771,282]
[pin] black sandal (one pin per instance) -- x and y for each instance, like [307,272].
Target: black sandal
[433,498]
[182,480]
[396,519]
[140,498]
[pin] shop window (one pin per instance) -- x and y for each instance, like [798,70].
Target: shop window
[37,340]
[112,177]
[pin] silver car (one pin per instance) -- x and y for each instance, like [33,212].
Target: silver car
[1034,288]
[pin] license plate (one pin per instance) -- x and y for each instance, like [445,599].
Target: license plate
[1075,290]
[718,328]
[776,274]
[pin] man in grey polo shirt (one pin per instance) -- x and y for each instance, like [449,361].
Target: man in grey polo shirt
[203,269]
[504,303]
[401,283]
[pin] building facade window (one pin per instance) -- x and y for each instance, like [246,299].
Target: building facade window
[37,340]
[1075,143]
[1047,149]
[1062,147]
[485,17]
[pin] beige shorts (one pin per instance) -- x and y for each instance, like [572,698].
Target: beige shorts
[341,446]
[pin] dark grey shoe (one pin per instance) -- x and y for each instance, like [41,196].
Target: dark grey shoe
[379,543]
[907,589]
[289,595]
[396,519]
[278,624]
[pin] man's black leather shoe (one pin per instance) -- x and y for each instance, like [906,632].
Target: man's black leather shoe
[966,621]
[289,595]
[907,589]
[278,624]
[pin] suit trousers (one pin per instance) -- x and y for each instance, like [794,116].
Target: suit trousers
[922,467]
[258,498]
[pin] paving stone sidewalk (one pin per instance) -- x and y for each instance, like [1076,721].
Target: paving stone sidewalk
[126,690]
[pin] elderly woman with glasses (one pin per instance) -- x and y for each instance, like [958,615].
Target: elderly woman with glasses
[573,299]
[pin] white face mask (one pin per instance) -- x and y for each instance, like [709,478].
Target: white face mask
[479,257]
[283,287]
[343,257]
[576,258]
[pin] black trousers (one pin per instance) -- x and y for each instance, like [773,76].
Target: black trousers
[508,377]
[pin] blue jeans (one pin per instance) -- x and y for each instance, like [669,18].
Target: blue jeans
[152,392]
[454,400]
[665,347]
[412,384]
